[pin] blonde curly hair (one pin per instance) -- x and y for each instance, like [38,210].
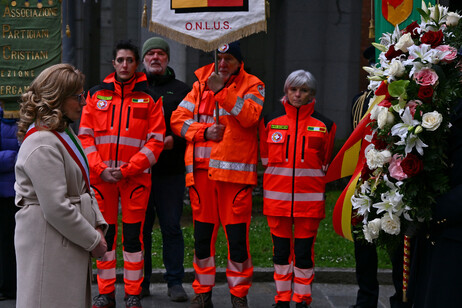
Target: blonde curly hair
[43,101]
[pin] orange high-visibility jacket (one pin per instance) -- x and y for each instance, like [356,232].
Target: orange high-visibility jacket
[122,126]
[234,158]
[295,146]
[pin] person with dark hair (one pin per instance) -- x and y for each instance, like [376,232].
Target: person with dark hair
[59,224]
[168,184]
[9,147]
[219,120]
[296,145]
[122,130]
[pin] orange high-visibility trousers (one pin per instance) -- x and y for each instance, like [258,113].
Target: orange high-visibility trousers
[293,256]
[134,194]
[213,202]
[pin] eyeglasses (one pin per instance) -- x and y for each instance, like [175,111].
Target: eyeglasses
[80,97]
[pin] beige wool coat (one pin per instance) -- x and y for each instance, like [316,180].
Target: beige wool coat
[55,227]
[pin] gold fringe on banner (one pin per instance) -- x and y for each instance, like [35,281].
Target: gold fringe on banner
[267,9]
[207,45]
[144,18]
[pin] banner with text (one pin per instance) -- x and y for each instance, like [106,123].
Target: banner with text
[30,42]
[206,24]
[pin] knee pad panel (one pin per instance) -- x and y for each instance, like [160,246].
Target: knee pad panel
[237,242]
[131,234]
[203,232]
[302,250]
[281,252]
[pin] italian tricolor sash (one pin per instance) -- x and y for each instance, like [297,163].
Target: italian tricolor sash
[74,149]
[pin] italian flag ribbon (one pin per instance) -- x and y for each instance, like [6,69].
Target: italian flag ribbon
[74,148]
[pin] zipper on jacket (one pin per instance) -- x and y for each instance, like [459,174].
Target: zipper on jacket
[287,148]
[120,122]
[128,118]
[303,149]
[112,119]
[293,165]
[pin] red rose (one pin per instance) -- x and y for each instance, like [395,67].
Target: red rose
[379,144]
[365,172]
[433,38]
[356,218]
[425,93]
[412,29]
[411,165]
[383,90]
[393,53]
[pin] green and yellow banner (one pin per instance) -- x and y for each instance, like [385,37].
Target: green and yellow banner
[30,42]
[389,13]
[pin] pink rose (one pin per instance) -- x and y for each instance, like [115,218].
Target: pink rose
[395,169]
[426,77]
[413,105]
[451,55]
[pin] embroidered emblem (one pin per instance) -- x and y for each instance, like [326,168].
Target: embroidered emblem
[276,137]
[316,129]
[261,89]
[280,126]
[223,48]
[101,104]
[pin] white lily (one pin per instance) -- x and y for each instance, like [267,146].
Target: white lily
[411,142]
[423,51]
[392,200]
[402,129]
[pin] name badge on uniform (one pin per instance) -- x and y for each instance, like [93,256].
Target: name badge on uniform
[274,126]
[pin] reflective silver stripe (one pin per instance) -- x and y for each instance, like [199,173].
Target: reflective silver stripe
[185,127]
[133,275]
[133,257]
[237,106]
[203,263]
[222,112]
[305,273]
[264,161]
[205,280]
[236,281]
[202,152]
[283,269]
[282,196]
[112,164]
[151,157]
[90,150]
[109,256]
[156,136]
[254,98]
[133,142]
[86,131]
[206,119]
[283,285]
[226,165]
[298,171]
[239,267]
[189,168]
[187,105]
[302,289]
[107,273]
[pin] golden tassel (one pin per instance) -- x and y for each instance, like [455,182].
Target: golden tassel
[144,16]
[68,31]
[371,29]
[267,9]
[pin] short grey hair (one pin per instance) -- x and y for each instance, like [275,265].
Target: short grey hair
[300,78]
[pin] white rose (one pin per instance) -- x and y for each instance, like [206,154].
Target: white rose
[453,19]
[385,117]
[376,159]
[390,225]
[404,42]
[374,228]
[367,234]
[396,68]
[376,111]
[432,120]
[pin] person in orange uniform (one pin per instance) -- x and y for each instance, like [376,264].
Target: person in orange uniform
[221,164]
[122,131]
[296,145]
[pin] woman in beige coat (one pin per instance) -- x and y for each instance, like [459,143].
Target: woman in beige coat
[59,224]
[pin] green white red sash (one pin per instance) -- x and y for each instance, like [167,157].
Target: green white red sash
[73,148]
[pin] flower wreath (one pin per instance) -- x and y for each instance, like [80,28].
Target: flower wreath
[416,83]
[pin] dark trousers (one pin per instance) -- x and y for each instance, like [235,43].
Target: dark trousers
[166,200]
[7,254]
[366,275]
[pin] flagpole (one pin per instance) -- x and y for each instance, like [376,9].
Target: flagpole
[217,114]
